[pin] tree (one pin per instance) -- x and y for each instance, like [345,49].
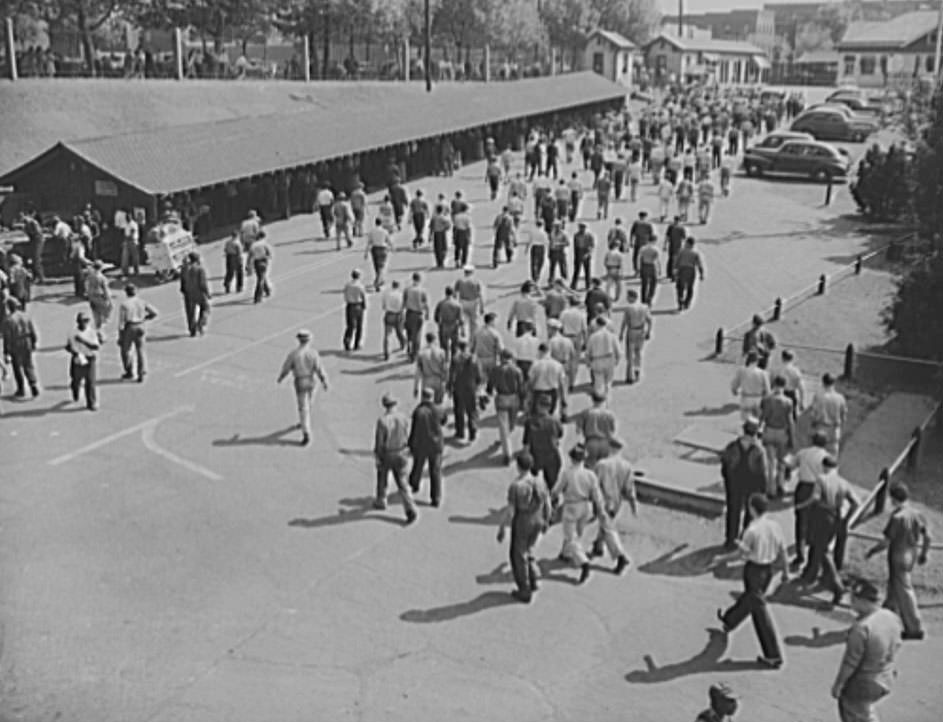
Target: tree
[462,22]
[567,22]
[84,17]
[635,19]
[514,25]
[812,37]
[928,172]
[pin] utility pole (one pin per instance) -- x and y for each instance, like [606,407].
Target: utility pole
[427,46]
[680,19]
[939,39]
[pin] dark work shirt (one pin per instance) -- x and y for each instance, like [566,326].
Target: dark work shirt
[425,432]
[541,434]
[465,374]
[594,298]
[506,379]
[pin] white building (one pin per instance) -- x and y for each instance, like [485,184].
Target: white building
[611,55]
[722,62]
[873,53]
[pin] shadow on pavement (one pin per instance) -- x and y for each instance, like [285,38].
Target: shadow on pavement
[378,368]
[692,564]
[353,509]
[482,459]
[62,407]
[707,660]
[714,411]
[448,612]
[818,640]
[492,518]
[501,574]
[273,439]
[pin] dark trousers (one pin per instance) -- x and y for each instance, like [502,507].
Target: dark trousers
[448,339]
[494,182]
[353,329]
[549,466]
[823,527]
[439,247]
[499,244]
[715,157]
[649,277]
[234,272]
[552,396]
[802,493]
[573,206]
[563,208]
[392,323]
[434,460]
[737,516]
[83,375]
[262,287]
[413,326]
[419,223]
[618,180]
[684,286]
[557,258]
[461,241]
[581,262]
[670,266]
[132,336]
[327,219]
[524,537]
[197,310]
[466,411]
[23,370]
[394,463]
[756,581]
[636,247]
[552,170]
[537,258]
[78,278]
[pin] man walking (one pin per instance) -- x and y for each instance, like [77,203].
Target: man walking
[503,237]
[130,245]
[133,313]
[751,384]
[675,236]
[464,380]
[547,378]
[759,340]
[602,356]
[19,342]
[743,469]
[562,350]
[506,385]
[260,256]
[808,467]
[392,306]
[597,427]
[325,200]
[426,445]
[304,364]
[907,542]
[528,514]
[355,303]
[829,411]
[542,434]
[867,670]
[196,294]
[83,345]
[617,485]
[471,296]
[649,269]
[640,234]
[487,344]
[461,234]
[537,244]
[779,435]
[688,267]
[343,216]
[416,303]
[448,317]
[583,246]
[557,251]
[432,370]
[99,295]
[390,442]
[379,247]
[440,226]
[762,548]
[578,491]
[635,331]
[419,214]
[232,253]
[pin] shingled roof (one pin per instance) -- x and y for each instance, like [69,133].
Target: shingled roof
[710,45]
[183,157]
[897,32]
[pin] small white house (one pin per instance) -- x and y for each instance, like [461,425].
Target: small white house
[872,53]
[611,55]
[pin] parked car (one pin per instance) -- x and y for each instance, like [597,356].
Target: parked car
[826,123]
[856,105]
[811,158]
[778,137]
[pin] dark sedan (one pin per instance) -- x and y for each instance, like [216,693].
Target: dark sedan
[810,158]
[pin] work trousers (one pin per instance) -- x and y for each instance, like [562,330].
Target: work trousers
[379,256]
[634,342]
[413,324]
[573,207]
[303,397]
[342,229]
[466,412]
[101,313]
[524,536]
[327,219]
[775,444]
[752,603]
[684,286]
[197,310]
[499,245]
[506,409]
[434,460]
[823,527]
[601,374]
[78,278]
[737,516]
[461,241]
[234,272]
[83,375]
[557,260]
[394,462]
[858,706]
[419,225]
[575,518]
[353,329]
[448,339]
[703,211]
[581,263]
[393,323]
[613,284]
[439,247]
[549,466]
[470,310]
[900,590]
[132,336]
[803,491]
[130,256]
[608,535]
[648,275]
[563,208]
[262,287]
[537,258]
[24,371]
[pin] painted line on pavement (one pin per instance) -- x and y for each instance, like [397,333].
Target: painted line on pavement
[147,436]
[59,460]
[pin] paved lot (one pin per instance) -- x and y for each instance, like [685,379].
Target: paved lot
[176,556]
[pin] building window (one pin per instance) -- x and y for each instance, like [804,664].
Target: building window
[849,65]
[625,63]
[929,64]
[868,64]
[661,64]
[599,63]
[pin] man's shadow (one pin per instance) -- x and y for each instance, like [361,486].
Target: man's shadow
[707,660]
[273,439]
[691,564]
[351,509]
[448,612]
[492,518]
[548,568]
[818,640]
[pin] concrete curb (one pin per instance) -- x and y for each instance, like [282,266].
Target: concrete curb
[662,493]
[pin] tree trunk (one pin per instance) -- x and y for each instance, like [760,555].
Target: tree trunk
[88,43]
[326,39]
[350,42]
[313,55]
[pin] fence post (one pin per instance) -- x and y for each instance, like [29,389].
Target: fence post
[777,309]
[913,456]
[849,370]
[9,40]
[858,265]
[719,342]
[881,499]
[823,282]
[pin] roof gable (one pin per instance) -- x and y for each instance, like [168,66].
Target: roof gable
[894,33]
[708,45]
[613,38]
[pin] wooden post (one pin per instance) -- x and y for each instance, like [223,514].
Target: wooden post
[858,265]
[406,59]
[306,58]
[178,53]
[719,342]
[10,40]
[777,309]
[880,500]
[823,283]
[913,456]
[487,61]
[849,369]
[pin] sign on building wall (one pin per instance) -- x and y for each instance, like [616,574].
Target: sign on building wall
[106,188]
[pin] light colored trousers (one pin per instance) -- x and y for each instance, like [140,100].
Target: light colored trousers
[634,342]
[900,597]
[304,397]
[602,373]
[575,518]
[609,535]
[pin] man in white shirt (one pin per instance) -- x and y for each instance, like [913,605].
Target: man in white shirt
[130,246]
[392,305]
[751,384]
[304,364]
[829,411]
[260,256]
[325,201]
[602,355]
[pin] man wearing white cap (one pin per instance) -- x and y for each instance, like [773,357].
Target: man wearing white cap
[471,295]
[304,363]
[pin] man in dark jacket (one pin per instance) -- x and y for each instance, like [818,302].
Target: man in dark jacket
[743,468]
[19,342]
[196,294]
[464,380]
[425,444]
[542,434]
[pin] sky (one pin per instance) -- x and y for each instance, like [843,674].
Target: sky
[670,7]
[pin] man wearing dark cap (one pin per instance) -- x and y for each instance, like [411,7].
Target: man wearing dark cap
[542,434]
[583,246]
[464,380]
[907,542]
[743,468]
[868,669]
[425,444]
[19,343]
[133,313]
[196,294]
[506,384]
[763,549]
[304,364]
[578,491]
[808,467]
[760,341]
[390,443]
[831,495]
[528,514]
